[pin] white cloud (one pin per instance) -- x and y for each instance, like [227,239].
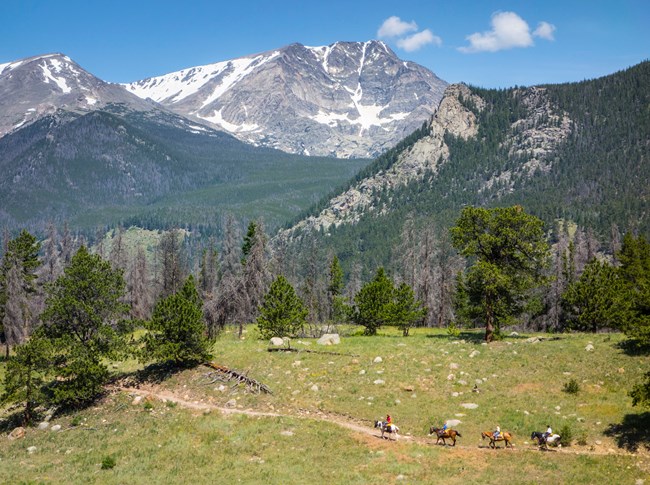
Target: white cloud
[509,30]
[545,31]
[417,41]
[394,27]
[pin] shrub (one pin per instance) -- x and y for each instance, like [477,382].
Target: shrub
[76,421]
[566,435]
[148,406]
[453,330]
[108,462]
[571,387]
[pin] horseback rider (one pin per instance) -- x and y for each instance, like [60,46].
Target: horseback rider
[548,433]
[497,433]
[443,430]
[388,423]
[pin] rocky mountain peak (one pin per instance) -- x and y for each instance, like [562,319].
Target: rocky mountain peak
[33,87]
[347,99]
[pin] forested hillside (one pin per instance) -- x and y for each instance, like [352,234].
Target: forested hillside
[576,152]
[151,169]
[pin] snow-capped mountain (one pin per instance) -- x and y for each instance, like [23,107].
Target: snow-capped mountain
[348,99]
[36,86]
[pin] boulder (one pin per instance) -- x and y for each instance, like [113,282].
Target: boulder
[453,422]
[379,382]
[329,339]
[469,405]
[514,334]
[232,403]
[589,348]
[314,388]
[453,366]
[474,353]
[17,433]
[43,425]
[276,342]
[56,427]
[31,449]
[378,360]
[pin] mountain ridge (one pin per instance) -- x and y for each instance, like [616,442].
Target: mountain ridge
[346,99]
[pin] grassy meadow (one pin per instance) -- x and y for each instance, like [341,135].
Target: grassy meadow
[421,381]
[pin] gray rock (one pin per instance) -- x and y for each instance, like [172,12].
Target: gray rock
[514,334]
[314,388]
[469,405]
[474,353]
[378,360]
[56,427]
[453,366]
[31,449]
[453,422]
[232,403]
[276,342]
[286,433]
[43,425]
[379,382]
[589,348]
[329,339]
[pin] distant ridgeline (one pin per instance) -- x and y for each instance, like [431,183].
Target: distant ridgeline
[577,152]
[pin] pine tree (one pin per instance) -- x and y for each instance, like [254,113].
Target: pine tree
[27,372]
[404,310]
[21,254]
[283,314]
[511,254]
[176,332]
[372,301]
[82,320]
[598,299]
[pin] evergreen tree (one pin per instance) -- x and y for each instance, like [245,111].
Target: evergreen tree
[176,332]
[28,370]
[599,299]
[81,319]
[249,240]
[634,258]
[372,303]
[404,310]
[283,314]
[21,255]
[511,253]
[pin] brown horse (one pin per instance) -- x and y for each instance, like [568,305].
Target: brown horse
[446,434]
[503,436]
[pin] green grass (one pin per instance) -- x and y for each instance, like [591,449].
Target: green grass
[172,444]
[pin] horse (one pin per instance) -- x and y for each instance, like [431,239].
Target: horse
[446,434]
[544,441]
[503,436]
[387,429]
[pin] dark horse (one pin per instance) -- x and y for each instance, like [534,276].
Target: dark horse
[446,434]
[544,441]
[504,436]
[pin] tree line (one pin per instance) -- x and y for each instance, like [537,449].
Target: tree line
[66,309]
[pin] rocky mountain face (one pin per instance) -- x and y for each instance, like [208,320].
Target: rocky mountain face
[348,99]
[38,86]
[533,139]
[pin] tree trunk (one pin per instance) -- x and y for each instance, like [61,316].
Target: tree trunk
[489,324]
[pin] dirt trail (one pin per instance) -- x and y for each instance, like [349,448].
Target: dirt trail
[344,422]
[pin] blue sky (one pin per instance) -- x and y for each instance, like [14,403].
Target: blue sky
[482,42]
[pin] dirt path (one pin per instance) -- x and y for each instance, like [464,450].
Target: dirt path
[344,422]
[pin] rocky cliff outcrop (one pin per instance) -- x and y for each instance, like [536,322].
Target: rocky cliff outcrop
[426,154]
